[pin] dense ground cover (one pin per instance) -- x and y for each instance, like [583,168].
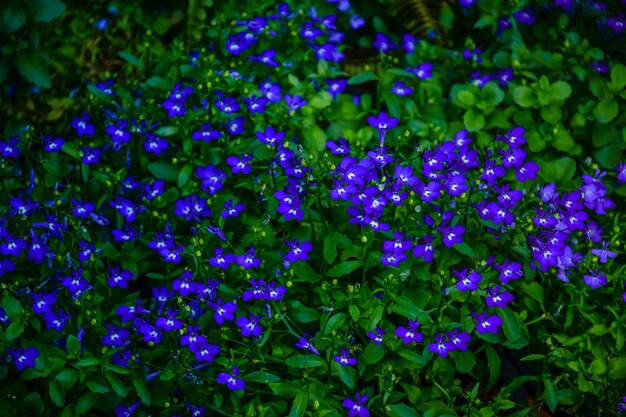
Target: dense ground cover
[316,208]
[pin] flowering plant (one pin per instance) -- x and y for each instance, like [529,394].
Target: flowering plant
[248,230]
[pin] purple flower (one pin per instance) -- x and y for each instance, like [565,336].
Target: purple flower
[236,126]
[409,42]
[249,260]
[205,352]
[257,292]
[595,279]
[304,343]
[342,148]
[24,358]
[249,327]
[240,164]
[344,359]
[127,313]
[452,235]
[126,411]
[221,260]
[155,144]
[600,67]
[298,251]
[52,144]
[226,104]
[170,322]
[336,87]
[527,172]
[618,24]
[232,380]
[423,71]
[524,17]
[467,282]
[441,346]
[270,136]
[118,277]
[383,43]
[486,324]
[267,57]
[604,253]
[206,134]
[459,340]
[377,337]
[294,102]
[90,155]
[356,408]
[82,126]
[184,286]
[115,337]
[410,334]
[425,250]
[232,210]
[223,312]
[497,298]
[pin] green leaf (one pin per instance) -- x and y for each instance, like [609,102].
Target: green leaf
[618,77]
[524,96]
[560,90]
[57,394]
[303,314]
[97,385]
[299,404]
[373,353]
[550,393]
[606,110]
[304,272]
[465,249]
[33,404]
[184,175]
[534,357]
[335,322]
[343,268]
[73,345]
[88,362]
[305,361]
[142,390]
[330,247]
[163,170]
[473,120]
[166,131]
[13,19]
[45,10]
[491,95]
[68,376]
[12,307]
[354,311]
[465,361]
[493,362]
[131,59]
[362,77]
[85,403]
[33,67]
[617,368]
[401,410]
[261,376]
[563,141]
[551,114]
[603,135]
[14,330]
[117,384]
[346,374]
[559,170]
[535,291]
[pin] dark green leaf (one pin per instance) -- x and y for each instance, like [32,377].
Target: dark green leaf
[305,361]
[45,10]
[57,394]
[335,322]
[617,368]
[117,384]
[73,345]
[85,403]
[373,353]
[13,19]
[12,307]
[69,376]
[299,404]
[606,110]
[303,271]
[465,249]
[362,77]
[346,374]
[618,77]
[465,361]
[163,170]
[493,362]
[550,394]
[524,96]
[401,410]
[184,175]
[261,376]
[97,385]
[343,268]
[14,330]
[142,390]
[560,90]
[33,404]
[88,362]
[303,314]
[33,67]
[131,59]
[473,120]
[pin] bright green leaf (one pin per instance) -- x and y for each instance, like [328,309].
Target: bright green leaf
[606,110]
[560,90]
[524,96]
[550,393]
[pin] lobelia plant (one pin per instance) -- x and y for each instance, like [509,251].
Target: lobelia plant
[240,234]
